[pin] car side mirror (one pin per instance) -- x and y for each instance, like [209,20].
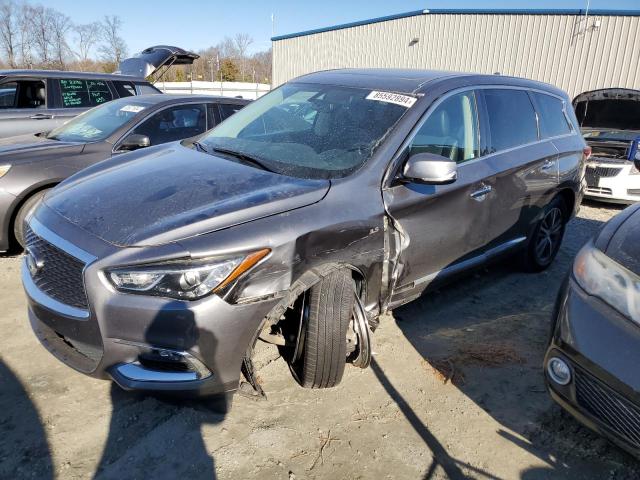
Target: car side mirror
[430,169]
[134,142]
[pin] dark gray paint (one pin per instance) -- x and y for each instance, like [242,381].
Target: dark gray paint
[396,236]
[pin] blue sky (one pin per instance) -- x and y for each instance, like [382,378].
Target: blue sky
[199,24]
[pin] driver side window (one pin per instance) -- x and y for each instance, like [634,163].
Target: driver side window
[175,123]
[451,130]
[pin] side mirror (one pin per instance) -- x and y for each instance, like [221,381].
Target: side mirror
[134,142]
[431,169]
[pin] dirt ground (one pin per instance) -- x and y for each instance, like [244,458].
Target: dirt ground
[455,391]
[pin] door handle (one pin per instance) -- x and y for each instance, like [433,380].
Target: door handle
[548,164]
[41,116]
[480,194]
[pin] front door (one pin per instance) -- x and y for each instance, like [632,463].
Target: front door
[440,228]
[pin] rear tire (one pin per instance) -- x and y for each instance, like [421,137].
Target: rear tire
[545,240]
[25,210]
[330,303]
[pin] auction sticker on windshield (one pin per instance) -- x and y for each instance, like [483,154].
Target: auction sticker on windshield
[396,98]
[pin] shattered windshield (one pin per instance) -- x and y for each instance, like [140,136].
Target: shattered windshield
[98,123]
[310,130]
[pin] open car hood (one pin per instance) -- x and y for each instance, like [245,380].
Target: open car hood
[152,59]
[608,109]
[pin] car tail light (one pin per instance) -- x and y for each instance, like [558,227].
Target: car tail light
[586,153]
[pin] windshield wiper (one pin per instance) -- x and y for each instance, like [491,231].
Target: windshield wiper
[200,147]
[244,157]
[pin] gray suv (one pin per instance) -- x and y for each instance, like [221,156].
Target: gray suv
[298,221]
[33,101]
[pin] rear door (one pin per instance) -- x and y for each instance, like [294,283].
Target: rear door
[440,228]
[526,168]
[72,96]
[24,106]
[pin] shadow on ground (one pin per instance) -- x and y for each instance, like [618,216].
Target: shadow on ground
[490,346]
[158,436]
[24,450]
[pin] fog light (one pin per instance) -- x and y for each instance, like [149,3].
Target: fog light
[559,371]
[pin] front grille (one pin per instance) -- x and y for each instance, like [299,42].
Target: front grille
[594,174]
[599,190]
[614,411]
[607,171]
[61,274]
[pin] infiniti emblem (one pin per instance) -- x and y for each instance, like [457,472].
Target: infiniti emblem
[34,264]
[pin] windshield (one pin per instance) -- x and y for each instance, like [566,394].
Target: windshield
[310,131]
[98,123]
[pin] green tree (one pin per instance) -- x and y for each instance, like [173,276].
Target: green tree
[180,75]
[229,70]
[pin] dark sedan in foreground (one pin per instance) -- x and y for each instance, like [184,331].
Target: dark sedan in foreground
[591,364]
[30,165]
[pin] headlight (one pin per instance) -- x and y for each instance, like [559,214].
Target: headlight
[184,280]
[4,169]
[600,276]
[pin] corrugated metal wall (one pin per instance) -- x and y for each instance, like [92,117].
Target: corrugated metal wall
[565,50]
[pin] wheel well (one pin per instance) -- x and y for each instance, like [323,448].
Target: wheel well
[569,199]
[308,280]
[17,208]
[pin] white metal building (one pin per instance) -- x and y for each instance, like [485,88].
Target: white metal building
[573,49]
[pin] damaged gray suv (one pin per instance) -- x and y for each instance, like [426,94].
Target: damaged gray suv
[298,221]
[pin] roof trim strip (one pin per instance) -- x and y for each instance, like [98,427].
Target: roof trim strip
[471,11]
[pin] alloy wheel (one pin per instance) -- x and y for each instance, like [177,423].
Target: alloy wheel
[549,235]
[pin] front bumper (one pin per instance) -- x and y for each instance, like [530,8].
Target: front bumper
[602,349]
[143,342]
[620,187]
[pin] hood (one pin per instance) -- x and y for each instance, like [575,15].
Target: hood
[27,148]
[172,192]
[624,246]
[608,109]
[153,59]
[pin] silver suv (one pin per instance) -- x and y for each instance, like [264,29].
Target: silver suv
[34,101]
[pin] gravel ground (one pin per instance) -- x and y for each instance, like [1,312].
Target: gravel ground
[455,391]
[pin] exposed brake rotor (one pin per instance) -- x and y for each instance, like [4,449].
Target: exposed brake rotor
[361,327]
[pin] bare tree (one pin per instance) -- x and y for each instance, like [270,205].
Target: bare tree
[26,29]
[9,31]
[42,37]
[114,48]
[242,41]
[87,35]
[60,27]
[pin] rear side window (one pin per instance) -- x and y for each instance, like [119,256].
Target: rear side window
[553,121]
[145,89]
[228,109]
[23,94]
[84,93]
[8,94]
[512,119]
[125,89]
[450,130]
